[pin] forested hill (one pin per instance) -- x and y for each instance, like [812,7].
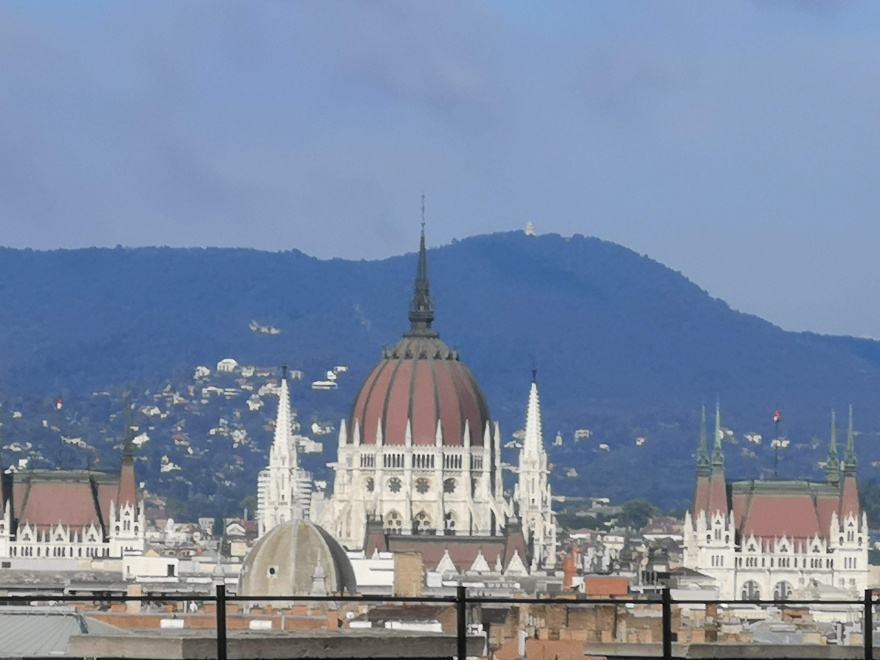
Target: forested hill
[624,346]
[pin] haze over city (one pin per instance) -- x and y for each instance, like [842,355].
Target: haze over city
[432,329]
[735,142]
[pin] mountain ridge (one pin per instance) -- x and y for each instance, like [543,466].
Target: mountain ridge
[624,345]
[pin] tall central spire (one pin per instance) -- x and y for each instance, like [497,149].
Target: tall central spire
[421,309]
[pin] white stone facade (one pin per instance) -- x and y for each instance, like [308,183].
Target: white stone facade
[779,568]
[440,489]
[124,531]
[776,540]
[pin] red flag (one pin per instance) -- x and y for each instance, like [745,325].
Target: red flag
[59,404]
[777,417]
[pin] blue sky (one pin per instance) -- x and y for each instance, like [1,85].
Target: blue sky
[735,142]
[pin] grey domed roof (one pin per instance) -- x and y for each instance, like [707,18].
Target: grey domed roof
[296,558]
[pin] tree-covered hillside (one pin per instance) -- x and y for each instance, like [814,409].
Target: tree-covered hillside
[625,347]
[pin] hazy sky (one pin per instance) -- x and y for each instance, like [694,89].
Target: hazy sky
[737,142]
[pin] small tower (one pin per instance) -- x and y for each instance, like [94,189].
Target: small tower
[127,523]
[832,466]
[718,484]
[709,542]
[849,495]
[532,494]
[704,470]
[286,486]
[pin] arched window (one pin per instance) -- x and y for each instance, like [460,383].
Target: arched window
[751,591]
[449,523]
[393,523]
[422,523]
[782,591]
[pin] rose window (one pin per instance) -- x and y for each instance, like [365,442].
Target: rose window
[394,484]
[423,485]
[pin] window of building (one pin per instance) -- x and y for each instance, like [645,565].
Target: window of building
[393,523]
[395,484]
[449,486]
[369,484]
[423,485]
[449,523]
[751,591]
[782,591]
[422,523]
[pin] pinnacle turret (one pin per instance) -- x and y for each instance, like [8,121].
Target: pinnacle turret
[533,443]
[718,451]
[282,441]
[704,464]
[128,439]
[849,461]
[832,467]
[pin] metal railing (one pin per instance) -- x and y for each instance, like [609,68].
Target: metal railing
[461,601]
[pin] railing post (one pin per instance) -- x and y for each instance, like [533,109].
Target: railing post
[667,624]
[461,629]
[868,631]
[221,622]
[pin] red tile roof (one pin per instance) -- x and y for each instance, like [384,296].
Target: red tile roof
[420,381]
[75,498]
[796,509]
[70,503]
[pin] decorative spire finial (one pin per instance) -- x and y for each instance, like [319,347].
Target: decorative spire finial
[283,372]
[703,462]
[718,453]
[534,375]
[849,461]
[421,309]
[128,440]
[832,466]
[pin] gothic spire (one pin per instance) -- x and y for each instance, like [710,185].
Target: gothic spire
[421,309]
[718,452]
[127,440]
[533,442]
[282,441]
[704,465]
[849,460]
[832,467]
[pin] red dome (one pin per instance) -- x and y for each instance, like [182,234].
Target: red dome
[420,381]
[423,381]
